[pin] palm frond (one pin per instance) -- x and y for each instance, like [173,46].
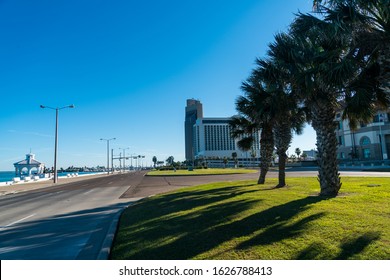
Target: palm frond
[245,143]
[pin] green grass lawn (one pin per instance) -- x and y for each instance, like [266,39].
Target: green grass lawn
[243,220]
[208,171]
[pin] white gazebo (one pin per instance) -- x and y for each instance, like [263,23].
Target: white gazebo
[29,165]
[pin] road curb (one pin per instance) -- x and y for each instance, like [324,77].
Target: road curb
[109,239]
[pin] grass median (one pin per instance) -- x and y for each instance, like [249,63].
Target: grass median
[243,220]
[208,171]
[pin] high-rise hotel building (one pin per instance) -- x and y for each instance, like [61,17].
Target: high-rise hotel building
[209,138]
[194,111]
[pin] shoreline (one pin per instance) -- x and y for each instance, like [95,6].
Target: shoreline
[43,183]
[32,180]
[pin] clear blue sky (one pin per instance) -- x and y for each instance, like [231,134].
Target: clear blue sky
[128,66]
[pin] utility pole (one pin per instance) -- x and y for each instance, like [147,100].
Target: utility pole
[112,160]
[56,137]
[108,152]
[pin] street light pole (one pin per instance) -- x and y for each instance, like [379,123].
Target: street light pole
[56,138]
[131,163]
[55,149]
[124,157]
[108,152]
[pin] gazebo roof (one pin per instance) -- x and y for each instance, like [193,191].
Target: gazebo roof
[28,161]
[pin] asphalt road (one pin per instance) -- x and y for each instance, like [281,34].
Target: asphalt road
[69,221]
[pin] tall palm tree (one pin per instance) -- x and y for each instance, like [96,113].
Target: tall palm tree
[288,116]
[255,113]
[268,104]
[313,56]
[367,24]
[365,27]
[329,71]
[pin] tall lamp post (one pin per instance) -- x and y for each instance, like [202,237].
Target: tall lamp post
[56,137]
[108,152]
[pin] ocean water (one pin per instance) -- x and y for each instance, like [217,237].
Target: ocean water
[6,176]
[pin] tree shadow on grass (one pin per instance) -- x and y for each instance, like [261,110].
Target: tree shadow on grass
[164,234]
[187,200]
[349,249]
[279,231]
[353,247]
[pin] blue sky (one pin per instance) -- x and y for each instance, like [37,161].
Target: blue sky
[128,67]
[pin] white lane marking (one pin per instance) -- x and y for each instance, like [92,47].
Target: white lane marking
[18,221]
[110,183]
[88,192]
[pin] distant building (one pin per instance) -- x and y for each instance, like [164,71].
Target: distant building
[310,154]
[211,140]
[28,166]
[193,111]
[368,142]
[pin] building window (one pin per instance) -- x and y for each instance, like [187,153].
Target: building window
[366,153]
[340,125]
[364,141]
[342,155]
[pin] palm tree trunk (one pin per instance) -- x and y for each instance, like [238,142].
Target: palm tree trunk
[325,127]
[283,137]
[266,150]
[282,170]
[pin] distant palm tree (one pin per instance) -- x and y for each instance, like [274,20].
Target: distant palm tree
[154,161]
[234,156]
[225,161]
[170,160]
[298,152]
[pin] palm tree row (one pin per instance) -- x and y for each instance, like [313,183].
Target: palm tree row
[323,64]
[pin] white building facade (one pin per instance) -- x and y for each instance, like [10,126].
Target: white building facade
[369,142]
[212,142]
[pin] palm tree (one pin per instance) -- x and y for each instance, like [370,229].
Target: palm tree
[319,72]
[309,54]
[225,162]
[288,116]
[234,157]
[367,24]
[154,161]
[298,152]
[332,69]
[255,113]
[170,160]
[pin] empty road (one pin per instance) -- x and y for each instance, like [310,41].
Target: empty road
[63,222]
